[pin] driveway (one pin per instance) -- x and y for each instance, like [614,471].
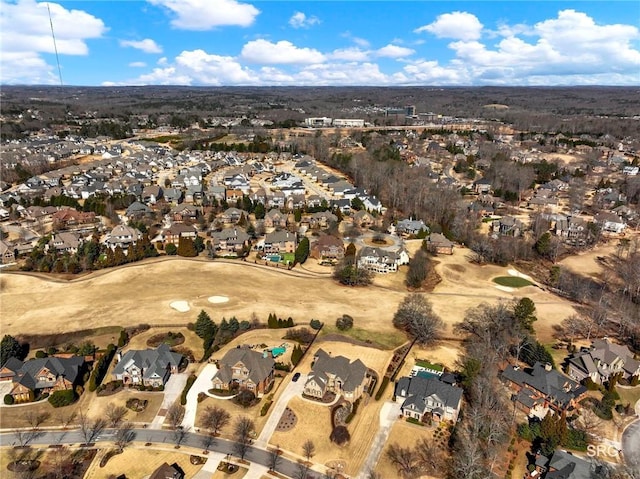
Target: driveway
[201,385]
[292,390]
[172,391]
[388,416]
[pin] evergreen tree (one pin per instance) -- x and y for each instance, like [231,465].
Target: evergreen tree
[302,251]
[186,248]
[350,251]
[259,211]
[204,327]
[272,322]
[10,348]
[234,325]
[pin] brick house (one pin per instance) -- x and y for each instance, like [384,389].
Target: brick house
[148,367]
[245,368]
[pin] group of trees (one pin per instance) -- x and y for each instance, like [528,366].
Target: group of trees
[426,457]
[214,336]
[90,255]
[10,347]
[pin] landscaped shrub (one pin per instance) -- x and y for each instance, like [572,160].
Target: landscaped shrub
[190,380]
[413,420]
[265,408]
[245,398]
[8,399]
[381,389]
[41,354]
[315,324]
[101,367]
[344,322]
[62,398]
[340,435]
[280,366]
[301,335]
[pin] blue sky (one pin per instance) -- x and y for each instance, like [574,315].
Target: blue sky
[386,43]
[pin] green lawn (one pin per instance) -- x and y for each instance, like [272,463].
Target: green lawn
[512,281]
[383,340]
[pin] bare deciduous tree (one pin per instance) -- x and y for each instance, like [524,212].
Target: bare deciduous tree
[404,458]
[115,414]
[242,433]
[175,414]
[124,434]
[215,418]
[309,449]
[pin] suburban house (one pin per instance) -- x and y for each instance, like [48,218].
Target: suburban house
[275,219]
[338,375]
[427,398]
[562,465]
[327,248]
[363,219]
[439,244]
[410,227]
[610,222]
[321,219]
[6,253]
[122,236]
[280,242]
[232,215]
[177,231]
[378,260]
[245,368]
[64,242]
[573,229]
[32,378]
[151,194]
[541,388]
[70,217]
[147,367]
[507,226]
[184,212]
[601,360]
[230,241]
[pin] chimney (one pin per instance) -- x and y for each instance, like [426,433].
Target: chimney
[547,367]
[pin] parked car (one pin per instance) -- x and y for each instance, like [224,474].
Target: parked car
[296,376]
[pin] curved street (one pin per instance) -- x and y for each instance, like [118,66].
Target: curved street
[631,441]
[189,439]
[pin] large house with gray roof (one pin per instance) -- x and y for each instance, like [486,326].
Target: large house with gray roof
[148,367]
[245,368]
[32,378]
[541,388]
[428,399]
[601,360]
[338,375]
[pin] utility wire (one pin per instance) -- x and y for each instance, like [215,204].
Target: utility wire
[55,46]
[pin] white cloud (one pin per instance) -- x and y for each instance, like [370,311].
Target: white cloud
[455,25]
[283,52]
[300,20]
[147,45]
[137,64]
[208,14]
[394,51]
[351,54]
[26,32]
[571,46]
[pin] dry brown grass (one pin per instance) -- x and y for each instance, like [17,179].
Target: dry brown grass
[405,435]
[236,410]
[139,463]
[191,340]
[135,294]
[98,405]
[240,473]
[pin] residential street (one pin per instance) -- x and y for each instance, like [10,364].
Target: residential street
[223,446]
[631,441]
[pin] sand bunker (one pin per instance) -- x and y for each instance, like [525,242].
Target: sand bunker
[505,288]
[513,272]
[218,299]
[181,306]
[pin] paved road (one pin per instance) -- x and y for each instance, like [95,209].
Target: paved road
[631,442]
[292,390]
[202,384]
[388,416]
[223,446]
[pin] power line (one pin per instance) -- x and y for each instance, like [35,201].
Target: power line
[55,46]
